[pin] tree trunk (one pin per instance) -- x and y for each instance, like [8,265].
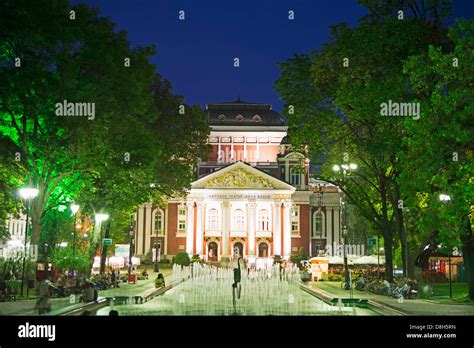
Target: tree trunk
[388,247]
[400,225]
[401,235]
[468,255]
[36,213]
[386,232]
[412,273]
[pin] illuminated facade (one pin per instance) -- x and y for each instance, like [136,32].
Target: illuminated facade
[254,194]
[16,227]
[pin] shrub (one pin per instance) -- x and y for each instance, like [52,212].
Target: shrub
[182,259]
[62,259]
[196,258]
[335,277]
[147,259]
[165,261]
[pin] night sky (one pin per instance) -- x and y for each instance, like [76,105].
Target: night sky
[197,54]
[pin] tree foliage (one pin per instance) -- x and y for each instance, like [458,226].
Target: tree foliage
[335,95]
[106,162]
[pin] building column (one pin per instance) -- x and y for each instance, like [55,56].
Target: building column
[165,226]
[311,229]
[225,230]
[190,228]
[276,228]
[148,228]
[251,232]
[337,226]
[287,229]
[329,229]
[139,228]
[200,229]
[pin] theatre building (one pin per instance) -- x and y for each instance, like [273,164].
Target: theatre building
[254,194]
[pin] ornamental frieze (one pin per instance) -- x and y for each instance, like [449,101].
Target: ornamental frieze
[239,178]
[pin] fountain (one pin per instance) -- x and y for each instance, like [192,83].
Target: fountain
[210,290]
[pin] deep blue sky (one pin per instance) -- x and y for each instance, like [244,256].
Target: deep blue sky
[197,54]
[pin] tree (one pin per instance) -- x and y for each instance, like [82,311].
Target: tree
[441,144]
[336,95]
[49,58]
[11,172]
[182,259]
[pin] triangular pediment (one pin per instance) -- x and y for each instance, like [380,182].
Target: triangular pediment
[240,176]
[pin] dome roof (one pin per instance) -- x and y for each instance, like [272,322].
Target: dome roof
[241,113]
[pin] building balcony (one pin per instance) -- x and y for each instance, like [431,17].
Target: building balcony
[238,234]
[263,234]
[212,233]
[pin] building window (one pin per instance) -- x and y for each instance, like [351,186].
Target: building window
[213,220]
[263,220]
[181,218]
[317,224]
[159,221]
[295,220]
[238,220]
[263,250]
[295,176]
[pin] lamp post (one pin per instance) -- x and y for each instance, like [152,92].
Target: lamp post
[130,252]
[74,209]
[27,193]
[405,271]
[346,170]
[99,218]
[446,198]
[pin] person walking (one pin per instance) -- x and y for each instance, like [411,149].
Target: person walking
[42,304]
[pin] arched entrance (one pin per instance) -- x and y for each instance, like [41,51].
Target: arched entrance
[238,247]
[263,250]
[212,251]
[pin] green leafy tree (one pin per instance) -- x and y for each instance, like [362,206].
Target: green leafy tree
[11,173]
[182,259]
[63,259]
[103,162]
[440,146]
[333,97]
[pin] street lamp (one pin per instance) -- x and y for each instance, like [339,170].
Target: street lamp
[27,193]
[346,170]
[130,251]
[74,209]
[101,217]
[405,271]
[445,198]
